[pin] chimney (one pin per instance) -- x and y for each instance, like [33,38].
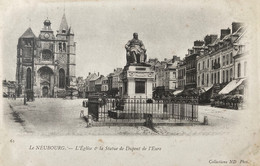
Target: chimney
[224,32]
[209,39]
[236,26]
[88,73]
[198,43]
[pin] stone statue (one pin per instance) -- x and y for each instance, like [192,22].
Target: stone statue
[135,50]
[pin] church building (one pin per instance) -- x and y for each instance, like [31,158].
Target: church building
[46,64]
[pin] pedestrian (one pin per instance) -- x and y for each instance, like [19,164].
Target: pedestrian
[89,123]
[81,113]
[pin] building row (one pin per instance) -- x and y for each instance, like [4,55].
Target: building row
[216,63]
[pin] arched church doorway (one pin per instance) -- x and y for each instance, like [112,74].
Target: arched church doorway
[46,79]
[45,92]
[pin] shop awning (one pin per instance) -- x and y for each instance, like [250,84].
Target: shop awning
[231,86]
[205,89]
[177,92]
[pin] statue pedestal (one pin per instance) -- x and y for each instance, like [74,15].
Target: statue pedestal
[137,81]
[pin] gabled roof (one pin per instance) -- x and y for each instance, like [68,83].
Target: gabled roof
[63,24]
[28,34]
[94,78]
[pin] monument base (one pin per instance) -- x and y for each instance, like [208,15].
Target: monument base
[137,81]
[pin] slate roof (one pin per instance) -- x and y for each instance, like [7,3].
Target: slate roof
[63,24]
[28,34]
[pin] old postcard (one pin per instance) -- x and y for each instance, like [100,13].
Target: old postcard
[129,83]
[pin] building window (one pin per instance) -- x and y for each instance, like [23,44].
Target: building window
[174,75]
[231,57]
[61,78]
[218,77]
[198,80]
[28,78]
[139,86]
[231,74]
[208,64]
[207,79]
[203,65]
[223,60]
[212,78]
[227,59]
[212,64]
[227,76]
[223,76]
[215,77]
[238,70]
[199,66]
[202,80]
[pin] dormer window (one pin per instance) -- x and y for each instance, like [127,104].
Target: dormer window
[63,31]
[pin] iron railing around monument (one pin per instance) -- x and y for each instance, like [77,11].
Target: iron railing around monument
[104,109]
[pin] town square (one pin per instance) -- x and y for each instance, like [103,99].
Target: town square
[147,93]
[129,83]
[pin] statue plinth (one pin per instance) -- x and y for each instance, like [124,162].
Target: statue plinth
[137,80]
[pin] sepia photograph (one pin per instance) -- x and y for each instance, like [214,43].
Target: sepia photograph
[129,83]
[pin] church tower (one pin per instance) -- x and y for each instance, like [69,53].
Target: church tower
[26,50]
[46,64]
[71,57]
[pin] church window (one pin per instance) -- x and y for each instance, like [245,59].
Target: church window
[28,78]
[60,46]
[46,55]
[61,78]
[64,47]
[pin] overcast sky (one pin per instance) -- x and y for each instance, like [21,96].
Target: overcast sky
[103,28]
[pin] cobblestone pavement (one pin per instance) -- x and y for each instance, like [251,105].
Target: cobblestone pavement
[47,116]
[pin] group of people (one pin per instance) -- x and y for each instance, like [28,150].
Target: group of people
[12,96]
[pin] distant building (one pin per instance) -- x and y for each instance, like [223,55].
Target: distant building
[9,88]
[104,86]
[115,84]
[90,87]
[171,74]
[181,70]
[81,87]
[98,84]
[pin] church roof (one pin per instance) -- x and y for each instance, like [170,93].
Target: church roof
[28,34]
[63,24]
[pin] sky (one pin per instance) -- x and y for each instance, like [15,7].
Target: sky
[103,28]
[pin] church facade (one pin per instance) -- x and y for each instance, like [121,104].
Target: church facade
[46,64]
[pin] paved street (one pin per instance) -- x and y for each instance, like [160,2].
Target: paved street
[47,116]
